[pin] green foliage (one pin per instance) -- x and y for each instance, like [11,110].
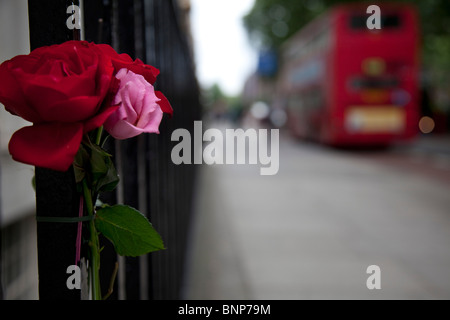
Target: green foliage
[95,164]
[214,95]
[104,174]
[271,22]
[129,231]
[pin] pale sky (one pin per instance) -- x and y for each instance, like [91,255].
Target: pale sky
[222,51]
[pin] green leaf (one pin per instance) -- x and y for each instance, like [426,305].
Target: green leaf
[110,180]
[129,231]
[99,161]
[104,174]
[79,164]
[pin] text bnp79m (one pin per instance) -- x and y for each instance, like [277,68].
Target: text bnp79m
[254,309]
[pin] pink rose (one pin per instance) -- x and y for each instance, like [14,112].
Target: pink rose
[139,110]
[150,73]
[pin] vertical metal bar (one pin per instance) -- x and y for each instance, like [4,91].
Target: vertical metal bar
[56,193]
[82,31]
[1,236]
[115,25]
[142,195]
[115,39]
[149,44]
[121,275]
[149,22]
[97,28]
[139,47]
[123,13]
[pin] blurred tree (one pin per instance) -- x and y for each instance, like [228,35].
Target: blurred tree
[270,22]
[212,95]
[219,105]
[214,101]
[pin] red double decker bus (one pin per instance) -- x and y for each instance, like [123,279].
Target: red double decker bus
[345,84]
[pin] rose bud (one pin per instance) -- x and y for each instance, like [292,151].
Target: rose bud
[139,110]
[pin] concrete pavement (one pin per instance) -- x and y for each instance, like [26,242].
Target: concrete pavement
[311,231]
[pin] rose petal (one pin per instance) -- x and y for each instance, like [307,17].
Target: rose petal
[50,145]
[124,130]
[68,86]
[150,121]
[71,110]
[151,114]
[164,103]
[100,119]
[12,96]
[133,90]
[123,60]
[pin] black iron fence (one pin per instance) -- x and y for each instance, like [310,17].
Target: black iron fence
[152,30]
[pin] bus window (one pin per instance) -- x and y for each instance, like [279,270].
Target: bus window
[374,83]
[390,21]
[358,22]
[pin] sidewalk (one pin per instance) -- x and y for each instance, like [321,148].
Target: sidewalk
[311,231]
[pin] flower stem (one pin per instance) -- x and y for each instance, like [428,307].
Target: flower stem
[99,135]
[94,244]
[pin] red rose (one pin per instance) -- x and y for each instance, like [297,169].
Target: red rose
[124,61]
[64,91]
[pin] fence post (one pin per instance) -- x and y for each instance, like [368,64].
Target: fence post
[1,236]
[56,194]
